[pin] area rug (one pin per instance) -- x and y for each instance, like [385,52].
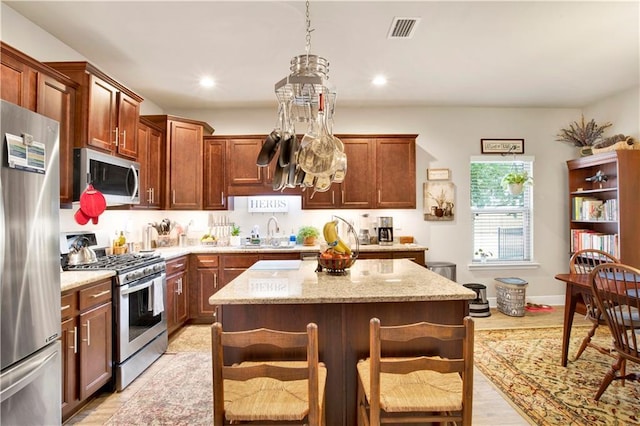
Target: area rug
[525,366]
[179,393]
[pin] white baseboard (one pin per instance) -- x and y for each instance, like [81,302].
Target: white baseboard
[557,300]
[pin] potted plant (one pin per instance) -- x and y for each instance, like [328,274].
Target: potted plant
[483,255]
[515,181]
[308,235]
[235,235]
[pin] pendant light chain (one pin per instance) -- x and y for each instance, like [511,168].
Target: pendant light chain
[309,29]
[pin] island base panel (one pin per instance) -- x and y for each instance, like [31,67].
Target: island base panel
[343,337]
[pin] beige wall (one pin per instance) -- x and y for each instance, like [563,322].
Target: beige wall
[448,138]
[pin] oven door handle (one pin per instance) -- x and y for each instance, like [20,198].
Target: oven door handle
[130,290]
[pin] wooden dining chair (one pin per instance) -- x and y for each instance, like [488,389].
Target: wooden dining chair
[416,389]
[583,262]
[263,389]
[616,288]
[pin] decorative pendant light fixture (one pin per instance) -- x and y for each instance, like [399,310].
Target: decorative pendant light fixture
[305,99]
[308,79]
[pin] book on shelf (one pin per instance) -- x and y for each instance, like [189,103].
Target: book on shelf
[593,209]
[588,239]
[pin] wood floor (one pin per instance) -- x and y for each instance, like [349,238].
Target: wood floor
[489,406]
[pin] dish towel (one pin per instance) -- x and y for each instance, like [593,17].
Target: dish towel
[157,296]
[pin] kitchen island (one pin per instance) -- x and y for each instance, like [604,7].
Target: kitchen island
[288,294]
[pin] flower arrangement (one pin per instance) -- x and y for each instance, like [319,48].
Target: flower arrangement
[483,254]
[582,134]
[440,199]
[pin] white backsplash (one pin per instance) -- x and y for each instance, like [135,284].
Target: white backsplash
[133,221]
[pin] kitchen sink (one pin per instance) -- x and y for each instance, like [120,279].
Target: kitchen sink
[266,247]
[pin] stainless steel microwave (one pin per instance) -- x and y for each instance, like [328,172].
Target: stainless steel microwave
[116,178]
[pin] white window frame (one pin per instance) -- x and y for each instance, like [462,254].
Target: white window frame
[528,234]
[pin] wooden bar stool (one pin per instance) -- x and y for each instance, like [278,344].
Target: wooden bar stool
[417,389]
[277,391]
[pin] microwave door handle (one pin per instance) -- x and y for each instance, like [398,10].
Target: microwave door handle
[135,178]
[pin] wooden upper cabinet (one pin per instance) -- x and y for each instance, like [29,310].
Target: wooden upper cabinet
[214,174]
[106,111]
[380,174]
[244,177]
[30,84]
[356,191]
[18,79]
[395,172]
[57,100]
[184,160]
[150,157]
[128,114]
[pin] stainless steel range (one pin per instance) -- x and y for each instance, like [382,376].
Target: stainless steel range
[140,325]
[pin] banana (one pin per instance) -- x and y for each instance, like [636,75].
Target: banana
[330,232]
[342,247]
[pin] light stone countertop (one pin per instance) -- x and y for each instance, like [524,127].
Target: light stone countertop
[380,280]
[169,253]
[73,279]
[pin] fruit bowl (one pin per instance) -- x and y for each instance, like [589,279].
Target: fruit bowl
[335,265]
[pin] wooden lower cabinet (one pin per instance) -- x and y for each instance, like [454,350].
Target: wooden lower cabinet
[86,339]
[177,308]
[416,256]
[205,281]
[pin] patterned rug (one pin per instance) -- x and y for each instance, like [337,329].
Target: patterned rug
[178,392]
[525,366]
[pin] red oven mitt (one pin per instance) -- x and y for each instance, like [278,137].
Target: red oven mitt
[92,205]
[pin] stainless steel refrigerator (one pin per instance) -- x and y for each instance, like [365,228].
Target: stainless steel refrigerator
[30,358]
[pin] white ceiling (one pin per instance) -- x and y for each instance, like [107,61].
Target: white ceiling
[515,54]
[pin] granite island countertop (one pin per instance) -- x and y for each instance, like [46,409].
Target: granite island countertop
[367,281]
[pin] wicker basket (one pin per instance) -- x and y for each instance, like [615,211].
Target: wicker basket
[336,266]
[511,295]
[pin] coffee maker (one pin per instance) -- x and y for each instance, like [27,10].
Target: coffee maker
[385,230]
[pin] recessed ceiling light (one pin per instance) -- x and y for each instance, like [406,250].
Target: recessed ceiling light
[379,80]
[207,82]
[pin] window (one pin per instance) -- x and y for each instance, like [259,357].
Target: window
[502,223]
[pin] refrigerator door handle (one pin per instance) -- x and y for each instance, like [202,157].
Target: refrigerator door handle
[23,375]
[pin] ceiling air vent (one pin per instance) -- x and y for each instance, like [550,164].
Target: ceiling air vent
[403,27]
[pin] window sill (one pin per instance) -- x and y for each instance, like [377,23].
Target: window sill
[477,266]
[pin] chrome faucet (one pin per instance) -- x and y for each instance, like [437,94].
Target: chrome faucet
[270,233]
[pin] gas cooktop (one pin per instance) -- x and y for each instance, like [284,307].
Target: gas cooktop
[119,262]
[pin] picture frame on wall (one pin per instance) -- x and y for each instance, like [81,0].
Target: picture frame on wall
[438,174]
[438,201]
[502,146]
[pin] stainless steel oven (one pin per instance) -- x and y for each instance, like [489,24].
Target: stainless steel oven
[140,321]
[139,318]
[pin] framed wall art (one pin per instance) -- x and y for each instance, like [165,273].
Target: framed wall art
[502,146]
[438,200]
[438,174]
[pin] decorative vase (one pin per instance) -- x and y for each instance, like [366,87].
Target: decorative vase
[309,241]
[234,240]
[439,212]
[516,188]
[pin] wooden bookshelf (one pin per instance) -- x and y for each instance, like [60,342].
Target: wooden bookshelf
[617,228]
